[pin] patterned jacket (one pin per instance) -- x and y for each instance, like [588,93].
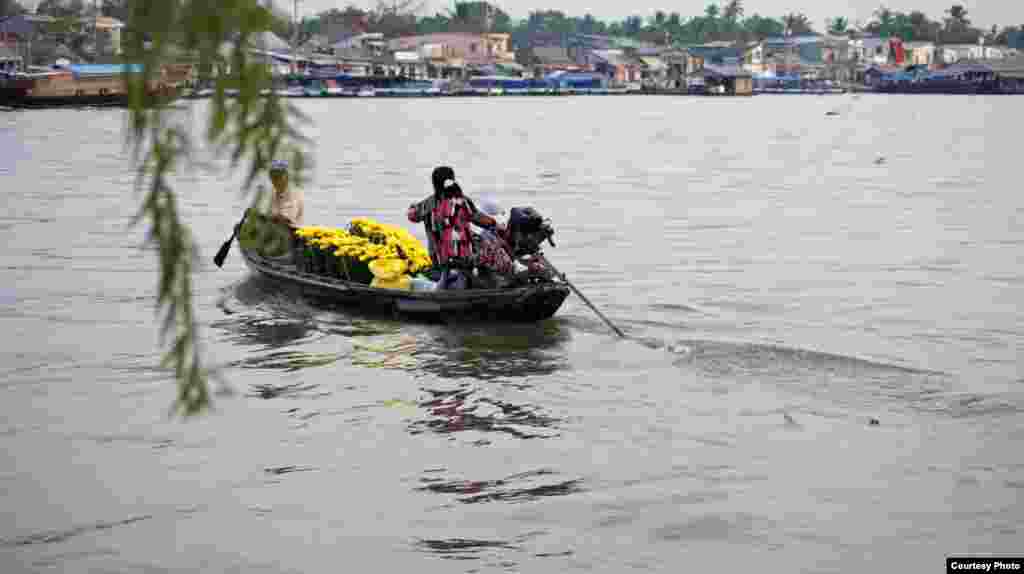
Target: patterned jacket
[447,225]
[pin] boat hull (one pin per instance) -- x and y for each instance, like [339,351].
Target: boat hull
[523,304]
[15,99]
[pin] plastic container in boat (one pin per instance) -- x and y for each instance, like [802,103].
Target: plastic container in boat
[422,284]
[403,283]
[390,274]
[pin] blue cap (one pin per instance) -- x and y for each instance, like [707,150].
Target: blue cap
[278,165]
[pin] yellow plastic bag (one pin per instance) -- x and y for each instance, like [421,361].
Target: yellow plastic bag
[390,274]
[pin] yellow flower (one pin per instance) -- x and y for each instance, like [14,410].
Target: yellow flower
[366,239]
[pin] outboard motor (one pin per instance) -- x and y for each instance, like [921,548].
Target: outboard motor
[528,230]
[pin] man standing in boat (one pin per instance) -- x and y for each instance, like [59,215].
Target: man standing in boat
[287,204]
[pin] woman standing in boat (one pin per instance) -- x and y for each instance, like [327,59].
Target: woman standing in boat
[287,204]
[446,215]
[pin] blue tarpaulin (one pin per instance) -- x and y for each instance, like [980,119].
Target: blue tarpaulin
[575,80]
[104,69]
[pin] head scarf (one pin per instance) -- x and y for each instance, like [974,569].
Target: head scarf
[442,177]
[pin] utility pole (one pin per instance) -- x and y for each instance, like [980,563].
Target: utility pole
[295,34]
[96,31]
[263,46]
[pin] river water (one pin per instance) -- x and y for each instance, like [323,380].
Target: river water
[784,277]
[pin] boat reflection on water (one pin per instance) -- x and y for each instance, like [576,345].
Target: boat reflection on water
[470,409]
[498,352]
[478,358]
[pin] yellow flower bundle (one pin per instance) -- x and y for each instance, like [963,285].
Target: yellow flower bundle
[367,240]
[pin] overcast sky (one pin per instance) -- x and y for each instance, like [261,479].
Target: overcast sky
[982,13]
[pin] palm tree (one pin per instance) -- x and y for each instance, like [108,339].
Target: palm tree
[797,24]
[884,20]
[659,20]
[733,10]
[923,28]
[466,16]
[838,26]
[709,24]
[957,18]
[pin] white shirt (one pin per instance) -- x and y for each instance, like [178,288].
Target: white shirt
[288,205]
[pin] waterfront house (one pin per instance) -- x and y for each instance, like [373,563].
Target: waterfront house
[809,56]
[1010,73]
[753,58]
[372,43]
[580,46]
[471,48]
[868,50]
[411,64]
[675,60]
[836,57]
[543,60]
[994,53]
[730,80]
[653,70]
[362,62]
[316,44]
[26,35]
[107,31]
[9,60]
[615,65]
[440,61]
[271,42]
[1015,40]
[714,53]
[954,53]
[920,53]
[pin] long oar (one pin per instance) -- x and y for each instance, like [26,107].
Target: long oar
[218,259]
[582,296]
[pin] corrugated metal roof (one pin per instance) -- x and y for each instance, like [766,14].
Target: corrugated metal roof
[551,55]
[726,71]
[614,58]
[407,56]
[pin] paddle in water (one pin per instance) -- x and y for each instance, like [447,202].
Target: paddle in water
[218,259]
[582,296]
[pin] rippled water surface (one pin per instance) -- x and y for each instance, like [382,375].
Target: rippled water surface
[824,369]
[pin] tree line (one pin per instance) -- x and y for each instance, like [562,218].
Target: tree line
[728,21]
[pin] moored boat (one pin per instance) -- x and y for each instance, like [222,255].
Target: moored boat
[84,85]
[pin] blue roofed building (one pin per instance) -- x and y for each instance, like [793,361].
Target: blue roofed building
[1015,40]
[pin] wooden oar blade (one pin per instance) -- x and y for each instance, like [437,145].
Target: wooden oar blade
[221,255]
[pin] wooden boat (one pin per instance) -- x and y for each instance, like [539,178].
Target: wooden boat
[529,303]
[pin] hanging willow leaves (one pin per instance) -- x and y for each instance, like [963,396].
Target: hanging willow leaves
[246,123]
